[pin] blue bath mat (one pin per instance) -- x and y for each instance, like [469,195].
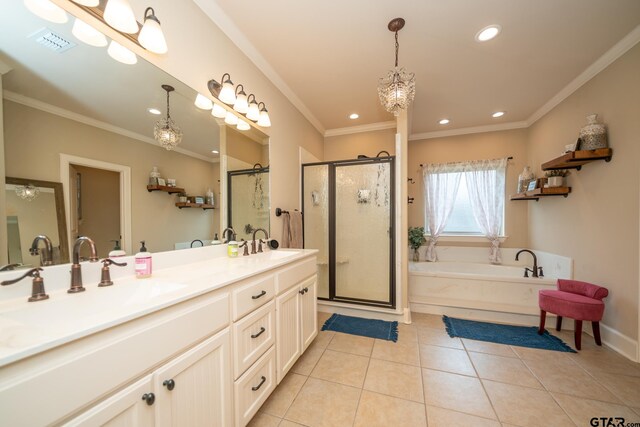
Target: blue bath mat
[372,328]
[523,336]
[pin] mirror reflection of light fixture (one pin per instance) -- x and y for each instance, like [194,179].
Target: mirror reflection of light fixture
[121,53]
[27,192]
[203,102]
[254,112]
[231,119]
[165,131]
[263,119]
[87,34]
[151,36]
[119,15]
[241,105]
[218,111]
[46,10]
[398,88]
[242,125]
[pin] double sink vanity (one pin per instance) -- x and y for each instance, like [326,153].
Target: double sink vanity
[204,341]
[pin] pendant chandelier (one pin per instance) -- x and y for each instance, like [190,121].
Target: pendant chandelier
[166,132]
[398,88]
[27,192]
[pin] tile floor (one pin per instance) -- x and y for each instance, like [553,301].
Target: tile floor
[428,378]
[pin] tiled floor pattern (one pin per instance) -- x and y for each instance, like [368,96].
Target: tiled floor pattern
[428,378]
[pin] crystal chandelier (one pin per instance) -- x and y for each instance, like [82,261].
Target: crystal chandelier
[166,132]
[27,192]
[398,88]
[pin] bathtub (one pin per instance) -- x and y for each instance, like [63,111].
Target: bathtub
[480,290]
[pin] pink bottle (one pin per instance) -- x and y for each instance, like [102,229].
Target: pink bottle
[143,262]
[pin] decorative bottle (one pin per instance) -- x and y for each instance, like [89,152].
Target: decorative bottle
[524,178]
[153,176]
[593,135]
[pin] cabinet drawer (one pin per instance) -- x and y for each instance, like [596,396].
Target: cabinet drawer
[252,336]
[253,388]
[293,275]
[252,295]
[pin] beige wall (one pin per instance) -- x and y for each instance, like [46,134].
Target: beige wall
[33,152]
[244,148]
[597,225]
[345,147]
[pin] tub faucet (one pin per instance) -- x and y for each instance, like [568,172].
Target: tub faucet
[197,240]
[253,242]
[76,269]
[47,253]
[534,270]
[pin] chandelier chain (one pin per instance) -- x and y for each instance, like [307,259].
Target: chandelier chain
[397,48]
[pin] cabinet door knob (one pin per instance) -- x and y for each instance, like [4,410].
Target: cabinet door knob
[262,329]
[169,384]
[149,398]
[261,294]
[262,380]
[306,290]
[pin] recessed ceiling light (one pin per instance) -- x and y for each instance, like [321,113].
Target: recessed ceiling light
[444,122]
[354,116]
[215,151]
[154,111]
[487,33]
[497,114]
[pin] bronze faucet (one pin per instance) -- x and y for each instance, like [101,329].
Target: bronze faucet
[243,244]
[253,241]
[197,240]
[76,269]
[37,285]
[232,236]
[47,254]
[534,271]
[105,277]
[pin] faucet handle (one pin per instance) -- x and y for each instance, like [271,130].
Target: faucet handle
[108,261]
[541,272]
[260,242]
[37,286]
[105,277]
[244,244]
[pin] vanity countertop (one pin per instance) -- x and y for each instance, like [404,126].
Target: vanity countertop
[30,328]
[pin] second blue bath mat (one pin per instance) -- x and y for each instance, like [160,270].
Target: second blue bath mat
[372,328]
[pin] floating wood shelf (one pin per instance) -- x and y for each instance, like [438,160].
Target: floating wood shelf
[542,192]
[204,206]
[575,159]
[165,188]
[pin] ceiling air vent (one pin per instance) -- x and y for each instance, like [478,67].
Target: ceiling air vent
[51,40]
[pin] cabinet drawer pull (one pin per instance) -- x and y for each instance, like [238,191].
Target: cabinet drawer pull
[301,291]
[169,384]
[261,294]
[149,398]
[262,380]
[262,329]
[306,290]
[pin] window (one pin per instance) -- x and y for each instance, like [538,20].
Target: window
[461,220]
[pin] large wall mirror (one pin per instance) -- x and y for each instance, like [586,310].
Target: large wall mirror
[78,117]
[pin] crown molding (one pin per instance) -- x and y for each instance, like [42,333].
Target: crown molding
[469,130]
[600,64]
[61,112]
[237,37]
[360,128]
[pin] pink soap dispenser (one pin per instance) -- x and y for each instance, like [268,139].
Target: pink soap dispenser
[143,262]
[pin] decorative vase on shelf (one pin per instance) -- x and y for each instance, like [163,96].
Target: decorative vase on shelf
[555,181]
[416,255]
[524,178]
[593,135]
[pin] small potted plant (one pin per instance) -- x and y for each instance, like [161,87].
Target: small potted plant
[555,178]
[416,239]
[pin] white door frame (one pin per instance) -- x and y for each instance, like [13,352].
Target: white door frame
[125,193]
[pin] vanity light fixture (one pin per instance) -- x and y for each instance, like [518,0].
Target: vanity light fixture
[218,111]
[88,3]
[444,121]
[154,111]
[87,34]
[397,90]
[223,91]
[497,114]
[354,116]
[165,131]
[241,105]
[253,113]
[488,33]
[119,15]
[264,119]
[203,102]
[121,53]
[46,10]
[27,192]
[151,36]
[242,125]
[231,119]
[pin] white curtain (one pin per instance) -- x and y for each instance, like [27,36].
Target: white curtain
[441,182]
[485,183]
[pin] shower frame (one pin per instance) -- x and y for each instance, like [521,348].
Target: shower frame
[332,228]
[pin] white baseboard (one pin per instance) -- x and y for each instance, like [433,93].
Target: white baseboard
[364,311]
[618,342]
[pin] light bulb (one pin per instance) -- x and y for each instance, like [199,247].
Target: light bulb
[264,119]
[218,111]
[231,119]
[254,112]
[242,125]
[119,15]
[151,36]
[203,102]
[241,105]
[90,3]
[47,10]
[121,53]
[227,94]
[87,34]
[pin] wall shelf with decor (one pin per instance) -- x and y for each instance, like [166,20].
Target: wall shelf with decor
[165,188]
[575,159]
[542,192]
[204,206]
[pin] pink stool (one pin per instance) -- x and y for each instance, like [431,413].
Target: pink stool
[576,300]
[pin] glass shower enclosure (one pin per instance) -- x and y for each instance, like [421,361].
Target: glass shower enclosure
[348,211]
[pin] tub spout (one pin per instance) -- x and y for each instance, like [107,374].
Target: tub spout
[534,270]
